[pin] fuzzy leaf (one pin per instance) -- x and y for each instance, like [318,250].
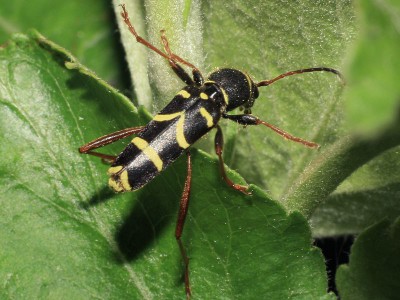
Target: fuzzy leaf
[374,267]
[372,101]
[329,169]
[86,28]
[264,39]
[368,196]
[65,235]
[373,73]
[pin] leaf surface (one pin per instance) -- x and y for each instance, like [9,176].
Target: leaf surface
[264,39]
[372,100]
[86,28]
[65,235]
[374,266]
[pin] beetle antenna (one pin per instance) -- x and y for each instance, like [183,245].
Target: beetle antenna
[318,69]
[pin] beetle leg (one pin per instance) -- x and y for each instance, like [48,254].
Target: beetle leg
[219,143]
[197,76]
[253,120]
[172,58]
[108,139]
[183,209]
[139,39]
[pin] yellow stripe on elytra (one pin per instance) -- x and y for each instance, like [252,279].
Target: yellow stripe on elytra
[124,180]
[184,94]
[204,96]
[180,135]
[207,116]
[114,170]
[226,97]
[149,152]
[116,186]
[168,117]
[120,182]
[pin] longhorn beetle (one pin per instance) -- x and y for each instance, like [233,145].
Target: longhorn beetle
[192,113]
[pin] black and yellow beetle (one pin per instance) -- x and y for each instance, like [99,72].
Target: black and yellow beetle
[191,114]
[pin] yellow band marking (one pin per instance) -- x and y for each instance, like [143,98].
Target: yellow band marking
[180,135]
[114,170]
[149,152]
[119,182]
[204,96]
[207,116]
[248,81]
[116,186]
[168,117]
[184,94]
[226,97]
[124,180]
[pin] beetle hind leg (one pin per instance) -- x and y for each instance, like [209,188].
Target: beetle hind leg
[183,209]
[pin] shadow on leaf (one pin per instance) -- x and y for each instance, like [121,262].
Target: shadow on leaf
[155,208]
[104,195]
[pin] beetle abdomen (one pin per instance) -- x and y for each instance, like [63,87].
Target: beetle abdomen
[164,139]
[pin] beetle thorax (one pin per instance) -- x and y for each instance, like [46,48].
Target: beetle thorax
[238,88]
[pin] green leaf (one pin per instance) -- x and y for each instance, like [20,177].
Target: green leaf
[374,269]
[267,39]
[373,72]
[55,202]
[62,235]
[264,38]
[182,23]
[368,196]
[333,166]
[50,245]
[372,100]
[86,28]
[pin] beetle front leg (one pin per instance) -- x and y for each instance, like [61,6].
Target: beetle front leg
[173,62]
[246,119]
[219,143]
[172,58]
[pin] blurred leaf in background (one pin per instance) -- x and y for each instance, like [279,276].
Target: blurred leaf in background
[56,217]
[372,100]
[87,29]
